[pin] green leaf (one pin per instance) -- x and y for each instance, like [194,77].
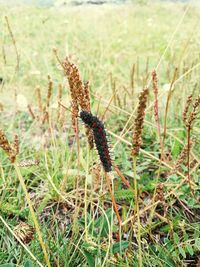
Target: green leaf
[182,252]
[90,259]
[176,238]
[196,234]
[190,249]
[118,247]
[28,263]
[103,222]
[197,243]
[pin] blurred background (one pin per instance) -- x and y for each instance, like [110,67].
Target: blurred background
[80,2]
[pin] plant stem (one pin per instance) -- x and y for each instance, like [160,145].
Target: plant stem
[188,155]
[137,213]
[37,227]
[111,188]
[86,199]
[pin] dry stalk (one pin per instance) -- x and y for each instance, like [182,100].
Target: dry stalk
[136,144]
[109,178]
[96,176]
[31,112]
[167,104]
[60,92]
[113,87]
[39,98]
[156,109]
[132,78]
[14,42]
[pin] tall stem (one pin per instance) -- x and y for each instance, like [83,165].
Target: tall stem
[37,227]
[137,213]
[86,187]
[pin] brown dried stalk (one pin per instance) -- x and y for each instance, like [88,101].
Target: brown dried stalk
[31,111]
[96,176]
[139,121]
[109,184]
[14,42]
[113,87]
[132,78]
[167,104]
[39,98]
[60,92]
[156,110]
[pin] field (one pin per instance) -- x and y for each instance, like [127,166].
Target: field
[60,205]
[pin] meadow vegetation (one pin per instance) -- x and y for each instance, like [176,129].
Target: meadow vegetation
[59,205]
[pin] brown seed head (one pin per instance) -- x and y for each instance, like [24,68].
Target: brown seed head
[79,94]
[11,151]
[188,118]
[182,156]
[49,91]
[16,144]
[139,121]
[187,106]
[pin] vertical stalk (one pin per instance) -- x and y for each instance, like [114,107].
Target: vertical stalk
[37,227]
[86,200]
[111,188]
[188,155]
[137,213]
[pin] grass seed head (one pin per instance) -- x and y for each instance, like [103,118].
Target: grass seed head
[49,91]
[79,94]
[186,109]
[139,121]
[11,150]
[188,118]
[182,156]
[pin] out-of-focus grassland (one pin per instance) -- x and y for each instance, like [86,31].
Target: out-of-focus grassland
[104,40]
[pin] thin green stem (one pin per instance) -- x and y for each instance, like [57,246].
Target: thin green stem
[37,227]
[86,183]
[137,213]
[154,196]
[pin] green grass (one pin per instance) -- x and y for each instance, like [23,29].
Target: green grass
[104,42]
